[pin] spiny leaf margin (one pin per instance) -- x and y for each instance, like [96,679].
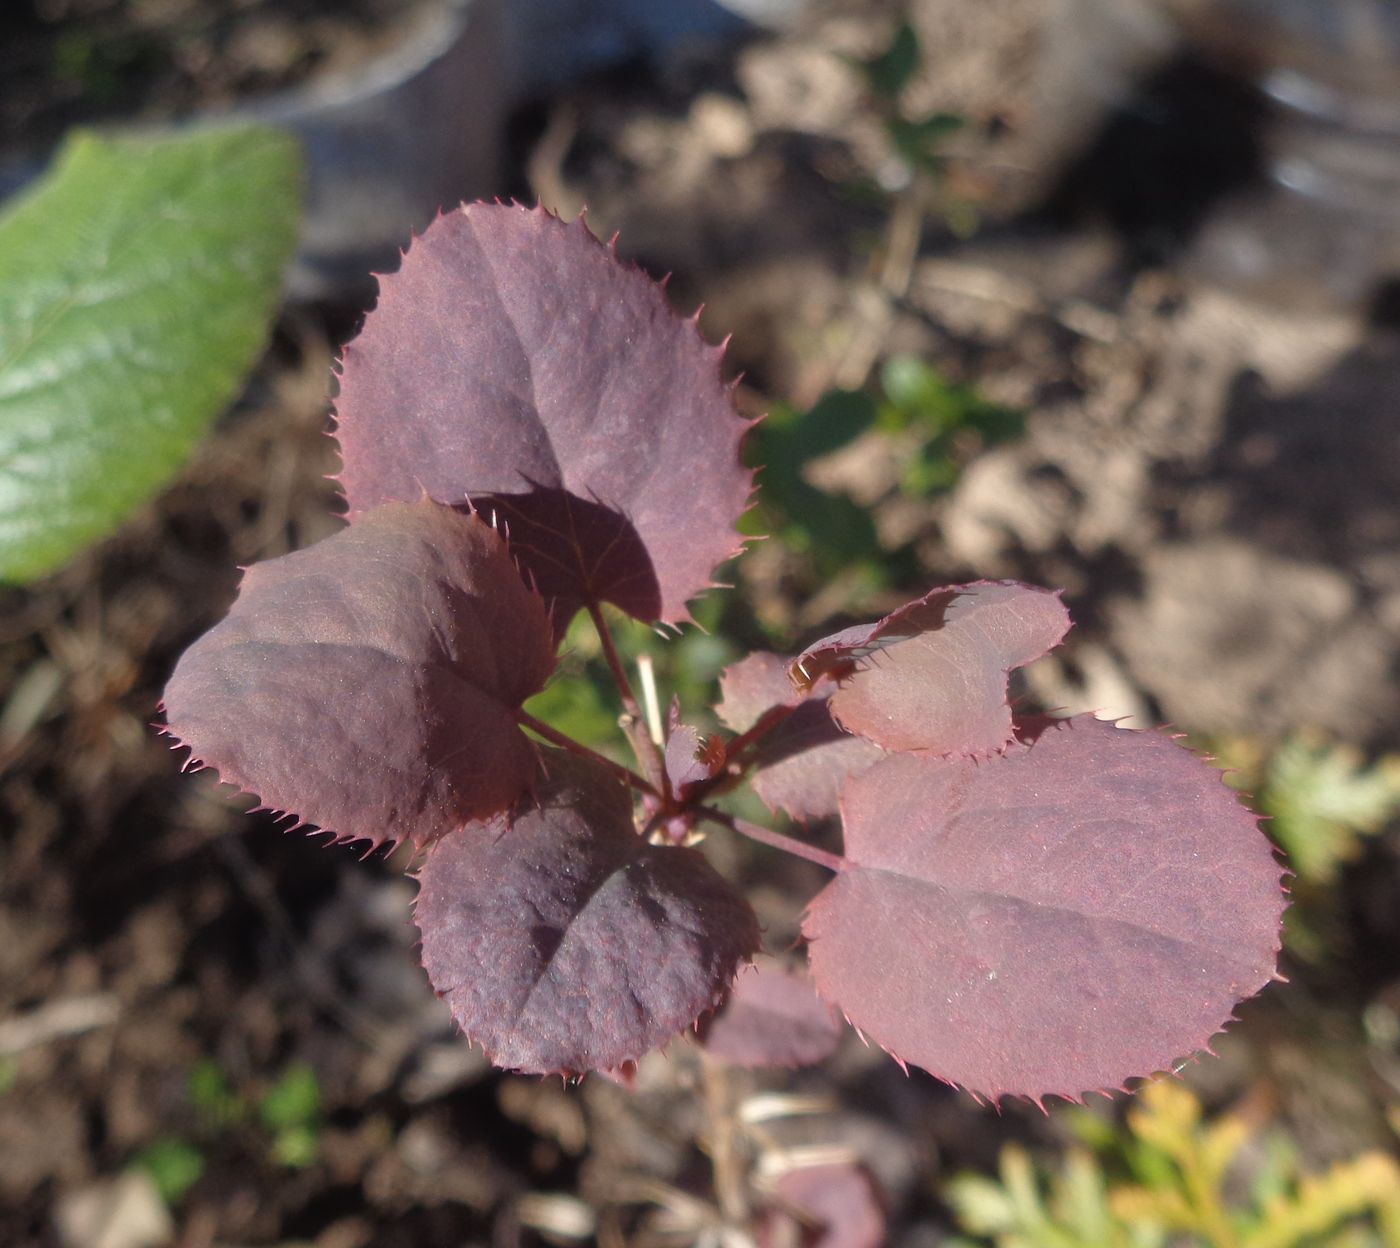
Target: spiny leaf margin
[1084,909]
[565,943]
[369,684]
[514,362]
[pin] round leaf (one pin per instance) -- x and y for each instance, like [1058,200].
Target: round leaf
[137,285]
[1080,910]
[513,361]
[772,1017]
[369,683]
[563,941]
[838,1199]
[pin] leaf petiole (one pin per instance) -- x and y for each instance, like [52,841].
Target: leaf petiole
[555,737]
[775,840]
[646,751]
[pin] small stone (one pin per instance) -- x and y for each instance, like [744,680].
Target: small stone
[125,1212]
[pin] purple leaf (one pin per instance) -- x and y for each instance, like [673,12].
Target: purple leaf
[690,759]
[515,363]
[838,1206]
[804,760]
[773,1017]
[370,683]
[932,676]
[563,941]
[1080,910]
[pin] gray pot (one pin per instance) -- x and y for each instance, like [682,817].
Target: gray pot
[420,127]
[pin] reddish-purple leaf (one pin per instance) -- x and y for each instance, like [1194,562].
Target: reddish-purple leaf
[563,941]
[369,683]
[932,676]
[773,1017]
[513,361]
[804,759]
[1078,911]
[690,758]
[828,1206]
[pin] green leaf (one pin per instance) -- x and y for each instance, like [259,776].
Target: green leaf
[294,1101]
[174,1166]
[296,1147]
[918,142]
[1323,799]
[890,72]
[138,281]
[212,1096]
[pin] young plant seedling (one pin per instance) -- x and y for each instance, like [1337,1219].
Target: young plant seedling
[1024,906]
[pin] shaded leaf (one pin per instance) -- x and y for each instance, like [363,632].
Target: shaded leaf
[892,70]
[369,684]
[1080,910]
[932,676]
[563,941]
[836,1205]
[804,760]
[513,361]
[772,1017]
[138,282]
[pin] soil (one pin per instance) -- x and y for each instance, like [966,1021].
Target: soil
[75,62]
[1211,477]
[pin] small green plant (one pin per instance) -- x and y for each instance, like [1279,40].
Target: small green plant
[291,1110]
[175,1166]
[689,669]
[1323,801]
[213,1097]
[916,138]
[1185,1183]
[939,426]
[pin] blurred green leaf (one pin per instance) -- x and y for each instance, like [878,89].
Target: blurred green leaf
[837,419]
[174,1165]
[1323,799]
[920,142]
[296,1147]
[576,706]
[955,422]
[291,1110]
[213,1096]
[831,527]
[293,1101]
[138,281]
[1183,1194]
[889,73]
[919,395]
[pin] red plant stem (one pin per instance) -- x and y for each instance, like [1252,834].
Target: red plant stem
[647,752]
[624,686]
[555,737]
[766,836]
[736,766]
[756,731]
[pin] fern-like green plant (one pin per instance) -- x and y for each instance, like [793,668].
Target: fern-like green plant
[1188,1187]
[1323,801]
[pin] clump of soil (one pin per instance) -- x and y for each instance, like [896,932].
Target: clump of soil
[70,62]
